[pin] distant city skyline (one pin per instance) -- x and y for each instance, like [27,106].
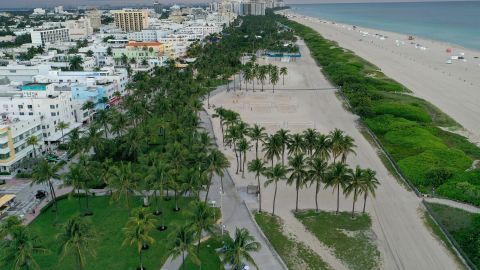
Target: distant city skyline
[117,3]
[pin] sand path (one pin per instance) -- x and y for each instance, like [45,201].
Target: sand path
[402,238]
[454,88]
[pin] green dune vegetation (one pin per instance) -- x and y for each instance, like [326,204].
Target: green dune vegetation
[295,254]
[413,131]
[463,226]
[350,239]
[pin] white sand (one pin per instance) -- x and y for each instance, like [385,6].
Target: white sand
[402,238]
[454,88]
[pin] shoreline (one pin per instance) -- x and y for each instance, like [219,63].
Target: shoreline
[453,88]
[373,29]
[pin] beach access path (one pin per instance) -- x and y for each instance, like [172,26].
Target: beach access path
[454,88]
[401,235]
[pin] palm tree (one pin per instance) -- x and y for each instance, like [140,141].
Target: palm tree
[310,137]
[255,71]
[202,218]
[216,164]
[43,173]
[283,137]
[274,77]
[77,239]
[323,146]
[318,175]
[137,231]
[103,118]
[258,167]
[272,148]
[298,173]
[346,147]
[75,178]
[124,182]
[275,175]
[247,76]
[8,224]
[369,185]
[257,134]
[158,175]
[242,147]
[239,249]
[283,73]
[296,144]
[88,106]
[62,126]
[336,138]
[262,75]
[338,177]
[33,141]
[20,249]
[76,63]
[354,185]
[183,240]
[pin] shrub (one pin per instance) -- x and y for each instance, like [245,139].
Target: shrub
[406,111]
[23,175]
[384,123]
[4,173]
[439,176]
[415,168]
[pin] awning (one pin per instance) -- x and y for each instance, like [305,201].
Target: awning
[6,198]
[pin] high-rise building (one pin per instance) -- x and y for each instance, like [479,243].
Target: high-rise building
[131,20]
[79,29]
[158,7]
[95,19]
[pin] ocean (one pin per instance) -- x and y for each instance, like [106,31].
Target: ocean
[452,22]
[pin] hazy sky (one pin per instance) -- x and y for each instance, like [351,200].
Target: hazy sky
[51,3]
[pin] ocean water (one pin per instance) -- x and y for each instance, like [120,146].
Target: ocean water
[453,22]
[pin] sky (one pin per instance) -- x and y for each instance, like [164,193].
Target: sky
[51,3]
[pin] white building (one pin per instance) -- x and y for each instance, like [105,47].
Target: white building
[22,73]
[15,130]
[44,36]
[58,10]
[95,19]
[42,100]
[39,11]
[79,29]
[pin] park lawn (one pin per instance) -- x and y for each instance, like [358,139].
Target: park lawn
[108,221]
[350,239]
[463,226]
[209,257]
[295,254]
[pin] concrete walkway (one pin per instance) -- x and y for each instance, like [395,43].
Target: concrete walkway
[173,264]
[454,204]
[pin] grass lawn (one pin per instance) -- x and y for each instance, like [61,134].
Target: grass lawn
[463,226]
[295,254]
[350,239]
[108,221]
[208,256]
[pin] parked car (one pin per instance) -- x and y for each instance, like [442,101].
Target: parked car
[40,194]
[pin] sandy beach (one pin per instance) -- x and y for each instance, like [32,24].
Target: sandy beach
[397,219]
[419,64]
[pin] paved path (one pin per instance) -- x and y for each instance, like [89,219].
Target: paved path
[459,205]
[173,264]
[235,214]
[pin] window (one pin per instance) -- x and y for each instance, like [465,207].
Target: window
[30,106]
[22,113]
[52,114]
[20,106]
[30,113]
[52,106]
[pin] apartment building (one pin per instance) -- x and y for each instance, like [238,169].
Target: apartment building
[131,20]
[79,29]
[42,100]
[14,133]
[50,36]
[95,19]
[23,73]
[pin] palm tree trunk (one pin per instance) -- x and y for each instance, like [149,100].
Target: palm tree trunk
[283,156]
[316,196]
[79,201]
[338,198]
[34,151]
[183,259]
[206,195]
[274,198]
[256,149]
[244,161]
[353,205]
[221,182]
[208,99]
[86,198]
[364,201]
[176,201]
[141,261]
[156,201]
[259,194]
[54,198]
[296,202]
